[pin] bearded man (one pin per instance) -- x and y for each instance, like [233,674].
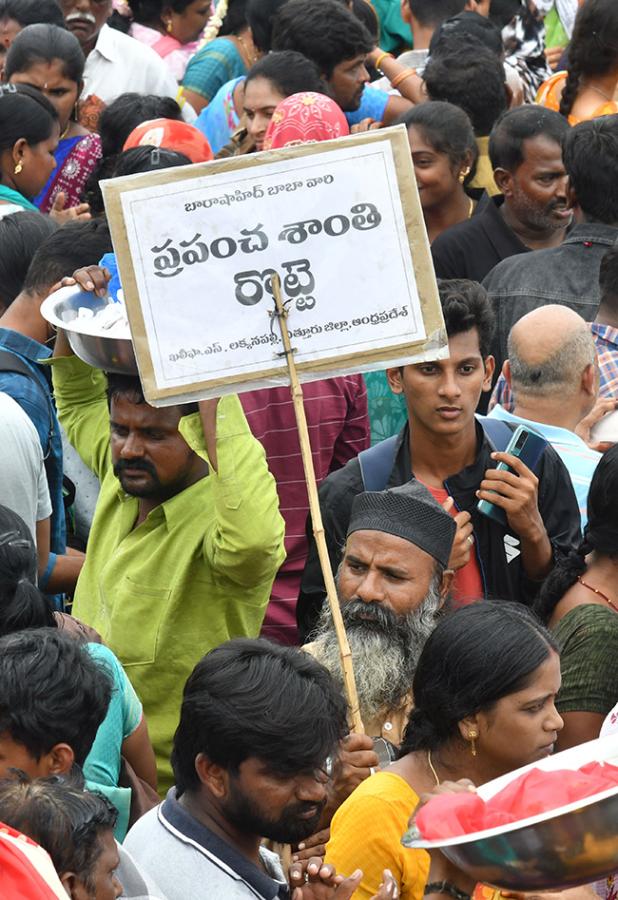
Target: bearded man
[392,582]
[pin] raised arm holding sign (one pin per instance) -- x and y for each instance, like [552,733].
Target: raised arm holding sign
[324,232]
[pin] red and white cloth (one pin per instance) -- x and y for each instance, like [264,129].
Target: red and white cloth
[26,871]
[305,118]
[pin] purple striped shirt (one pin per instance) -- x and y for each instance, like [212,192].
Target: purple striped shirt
[338,423]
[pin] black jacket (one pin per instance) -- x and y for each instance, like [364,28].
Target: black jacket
[568,275]
[496,548]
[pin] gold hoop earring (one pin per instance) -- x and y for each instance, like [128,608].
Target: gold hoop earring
[169,26]
[472,736]
[18,168]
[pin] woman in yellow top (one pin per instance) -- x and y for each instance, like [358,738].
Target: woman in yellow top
[484,693]
[587,90]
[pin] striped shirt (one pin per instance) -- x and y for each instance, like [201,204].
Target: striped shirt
[578,458]
[336,410]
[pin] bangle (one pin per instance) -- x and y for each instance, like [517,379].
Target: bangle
[49,568]
[446,887]
[407,73]
[382,56]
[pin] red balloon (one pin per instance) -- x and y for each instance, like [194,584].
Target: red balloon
[171,135]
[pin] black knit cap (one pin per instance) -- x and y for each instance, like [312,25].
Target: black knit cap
[409,512]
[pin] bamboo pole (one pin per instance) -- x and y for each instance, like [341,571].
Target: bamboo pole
[316,515]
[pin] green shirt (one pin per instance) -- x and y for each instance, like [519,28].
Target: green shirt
[195,573]
[388,412]
[588,639]
[395,34]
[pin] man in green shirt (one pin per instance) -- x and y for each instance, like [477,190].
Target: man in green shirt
[186,538]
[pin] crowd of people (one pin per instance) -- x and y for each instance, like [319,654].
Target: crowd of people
[173,720]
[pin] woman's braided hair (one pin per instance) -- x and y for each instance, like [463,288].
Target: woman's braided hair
[593,49]
[572,83]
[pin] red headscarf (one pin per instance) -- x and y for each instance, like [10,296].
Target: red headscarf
[304,119]
[171,135]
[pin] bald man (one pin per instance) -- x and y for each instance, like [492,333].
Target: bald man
[553,374]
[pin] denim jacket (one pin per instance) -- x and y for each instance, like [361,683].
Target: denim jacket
[568,274]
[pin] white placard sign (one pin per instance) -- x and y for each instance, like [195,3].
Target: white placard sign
[202,246]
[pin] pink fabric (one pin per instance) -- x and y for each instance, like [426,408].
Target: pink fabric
[338,422]
[175,54]
[533,793]
[303,119]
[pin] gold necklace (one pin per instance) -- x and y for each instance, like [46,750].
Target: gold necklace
[598,90]
[433,771]
[471,209]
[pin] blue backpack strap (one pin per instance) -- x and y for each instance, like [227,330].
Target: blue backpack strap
[497,431]
[376,464]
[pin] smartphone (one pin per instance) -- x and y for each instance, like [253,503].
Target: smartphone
[606,429]
[528,446]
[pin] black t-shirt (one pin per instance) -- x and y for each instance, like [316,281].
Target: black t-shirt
[471,249]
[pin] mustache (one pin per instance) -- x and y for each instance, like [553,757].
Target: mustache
[80,16]
[142,465]
[369,615]
[293,816]
[305,807]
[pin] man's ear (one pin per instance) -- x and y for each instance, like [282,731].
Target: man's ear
[212,776]
[73,885]
[490,366]
[506,373]
[395,380]
[589,380]
[572,201]
[447,580]
[59,760]
[504,182]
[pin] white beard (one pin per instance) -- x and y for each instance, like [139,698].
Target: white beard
[384,652]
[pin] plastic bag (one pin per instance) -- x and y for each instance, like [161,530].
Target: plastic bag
[534,792]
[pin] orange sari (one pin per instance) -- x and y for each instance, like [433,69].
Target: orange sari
[551,90]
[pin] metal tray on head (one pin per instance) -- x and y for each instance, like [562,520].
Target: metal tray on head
[96,347]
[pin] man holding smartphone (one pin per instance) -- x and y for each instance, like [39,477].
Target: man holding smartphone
[445,448]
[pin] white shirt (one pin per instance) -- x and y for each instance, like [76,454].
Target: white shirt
[8,209]
[23,485]
[119,64]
